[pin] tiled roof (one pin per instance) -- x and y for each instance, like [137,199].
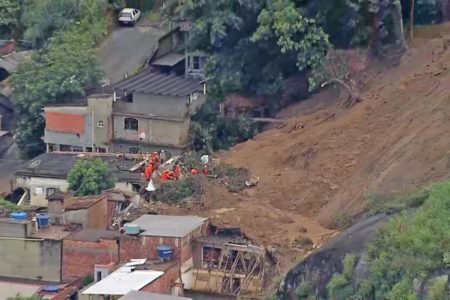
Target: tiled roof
[148,82]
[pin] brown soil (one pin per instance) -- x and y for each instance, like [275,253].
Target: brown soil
[319,167]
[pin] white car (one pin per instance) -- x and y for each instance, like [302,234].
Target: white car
[129,16]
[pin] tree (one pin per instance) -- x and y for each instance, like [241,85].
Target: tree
[9,17]
[62,72]
[90,177]
[294,33]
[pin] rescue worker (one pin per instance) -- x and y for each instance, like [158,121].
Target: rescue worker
[165,175]
[205,170]
[155,159]
[194,171]
[177,171]
[148,172]
[162,156]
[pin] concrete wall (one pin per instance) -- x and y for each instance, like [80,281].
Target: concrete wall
[93,217]
[34,185]
[72,139]
[157,132]
[15,229]
[79,257]
[156,105]
[102,107]
[39,199]
[169,43]
[30,259]
[163,284]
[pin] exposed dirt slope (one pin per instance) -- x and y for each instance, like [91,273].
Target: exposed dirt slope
[321,165]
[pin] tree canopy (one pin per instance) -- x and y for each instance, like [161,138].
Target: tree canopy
[90,177]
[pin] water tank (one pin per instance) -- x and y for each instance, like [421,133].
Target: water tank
[131,229]
[19,215]
[50,288]
[42,220]
[164,252]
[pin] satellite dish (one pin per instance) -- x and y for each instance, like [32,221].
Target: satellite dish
[34,163]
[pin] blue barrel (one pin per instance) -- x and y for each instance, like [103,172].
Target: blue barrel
[50,288]
[19,215]
[164,252]
[42,220]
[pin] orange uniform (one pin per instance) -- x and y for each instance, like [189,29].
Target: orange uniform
[148,171]
[165,175]
[205,170]
[194,171]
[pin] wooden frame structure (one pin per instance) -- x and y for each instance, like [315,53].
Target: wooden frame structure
[227,268]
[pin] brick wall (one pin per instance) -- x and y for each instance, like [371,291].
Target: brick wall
[79,257]
[163,284]
[145,246]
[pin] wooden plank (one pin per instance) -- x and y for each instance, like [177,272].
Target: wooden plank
[268,120]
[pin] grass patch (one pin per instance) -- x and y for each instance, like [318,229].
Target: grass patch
[8,205]
[397,202]
[341,220]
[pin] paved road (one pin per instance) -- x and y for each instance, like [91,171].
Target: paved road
[127,48]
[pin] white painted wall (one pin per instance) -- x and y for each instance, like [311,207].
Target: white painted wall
[38,187]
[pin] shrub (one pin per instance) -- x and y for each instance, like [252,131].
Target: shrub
[177,191]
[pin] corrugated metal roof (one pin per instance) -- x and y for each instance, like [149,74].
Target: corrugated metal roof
[58,165]
[168,226]
[169,60]
[122,282]
[149,82]
[138,295]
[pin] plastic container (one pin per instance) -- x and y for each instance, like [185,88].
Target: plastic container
[19,215]
[50,288]
[164,252]
[43,220]
[132,229]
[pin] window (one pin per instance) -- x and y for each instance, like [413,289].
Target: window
[39,190]
[131,124]
[196,62]
[65,148]
[50,191]
[133,150]
[135,187]
[77,149]
[128,98]
[101,150]
[100,124]
[88,149]
[99,276]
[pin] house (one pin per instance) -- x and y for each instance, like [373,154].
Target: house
[30,253]
[118,204]
[89,211]
[80,128]
[48,172]
[155,111]
[88,248]
[154,108]
[136,275]
[138,295]
[227,263]
[10,288]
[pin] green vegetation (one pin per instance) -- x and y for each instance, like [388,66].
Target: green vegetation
[411,246]
[340,285]
[90,177]
[8,205]
[20,297]
[177,191]
[63,68]
[395,203]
